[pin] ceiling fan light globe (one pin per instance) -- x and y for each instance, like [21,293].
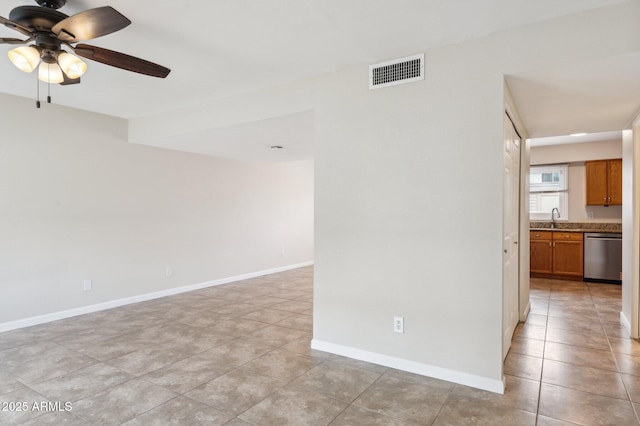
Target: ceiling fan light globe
[25,58]
[50,73]
[71,65]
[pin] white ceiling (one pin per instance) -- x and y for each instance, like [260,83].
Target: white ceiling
[221,48]
[594,97]
[255,141]
[615,135]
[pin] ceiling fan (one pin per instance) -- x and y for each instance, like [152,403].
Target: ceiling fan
[48,31]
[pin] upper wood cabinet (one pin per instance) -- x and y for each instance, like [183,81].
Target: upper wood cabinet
[604,182]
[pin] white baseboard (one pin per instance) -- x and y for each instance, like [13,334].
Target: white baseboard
[41,319]
[526,312]
[448,375]
[625,322]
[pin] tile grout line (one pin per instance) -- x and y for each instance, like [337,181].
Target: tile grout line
[281,387]
[353,403]
[544,348]
[615,359]
[354,399]
[443,404]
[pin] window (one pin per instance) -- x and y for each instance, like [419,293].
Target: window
[548,189]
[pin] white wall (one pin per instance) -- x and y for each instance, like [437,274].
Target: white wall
[576,154]
[393,231]
[404,241]
[78,202]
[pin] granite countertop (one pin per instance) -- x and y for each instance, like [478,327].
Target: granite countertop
[577,230]
[612,228]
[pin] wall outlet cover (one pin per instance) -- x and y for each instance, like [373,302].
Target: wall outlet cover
[398,324]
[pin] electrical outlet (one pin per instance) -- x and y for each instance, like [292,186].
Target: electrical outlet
[87,285]
[398,324]
[589,215]
[168,271]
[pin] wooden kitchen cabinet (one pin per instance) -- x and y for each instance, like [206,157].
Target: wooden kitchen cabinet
[540,252]
[614,184]
[604,182]
[568,256]
[556,254]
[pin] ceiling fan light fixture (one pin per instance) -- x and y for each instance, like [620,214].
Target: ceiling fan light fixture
[50,73]
[25,58]
[71,65]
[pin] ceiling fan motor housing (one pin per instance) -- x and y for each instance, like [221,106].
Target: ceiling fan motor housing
[47,41]
[52,4]
[36,18]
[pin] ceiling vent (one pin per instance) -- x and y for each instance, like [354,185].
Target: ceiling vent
[398,71]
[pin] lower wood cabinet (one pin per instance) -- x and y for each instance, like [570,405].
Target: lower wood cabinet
[558,254]
[541,252]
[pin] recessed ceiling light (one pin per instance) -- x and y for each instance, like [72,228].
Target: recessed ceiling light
[277,147]
[577,134]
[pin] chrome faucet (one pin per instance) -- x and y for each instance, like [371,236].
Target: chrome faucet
[553,217]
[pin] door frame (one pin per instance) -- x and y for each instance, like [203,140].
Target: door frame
[524,304]
[511,232]
[631,229]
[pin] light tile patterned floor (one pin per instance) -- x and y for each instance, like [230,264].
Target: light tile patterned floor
[238,354]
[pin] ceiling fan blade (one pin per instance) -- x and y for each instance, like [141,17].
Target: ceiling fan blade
[15,26]
[92,23]
[121,60]
[14,40]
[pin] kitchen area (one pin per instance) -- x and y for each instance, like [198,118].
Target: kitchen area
[576,208]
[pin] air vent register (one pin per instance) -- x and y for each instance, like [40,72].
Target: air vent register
[398,71]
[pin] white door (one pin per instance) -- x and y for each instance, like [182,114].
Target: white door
[511,253]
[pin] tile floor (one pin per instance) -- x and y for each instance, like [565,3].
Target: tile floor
[238,354]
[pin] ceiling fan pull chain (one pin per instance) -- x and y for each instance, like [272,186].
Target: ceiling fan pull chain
[38,92]
[48,83]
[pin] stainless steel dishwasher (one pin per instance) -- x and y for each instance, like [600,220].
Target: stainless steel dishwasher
[602,257]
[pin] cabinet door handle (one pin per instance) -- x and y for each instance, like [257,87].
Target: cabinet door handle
[549,243]
[567,236]
[515,242]
[537,235]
